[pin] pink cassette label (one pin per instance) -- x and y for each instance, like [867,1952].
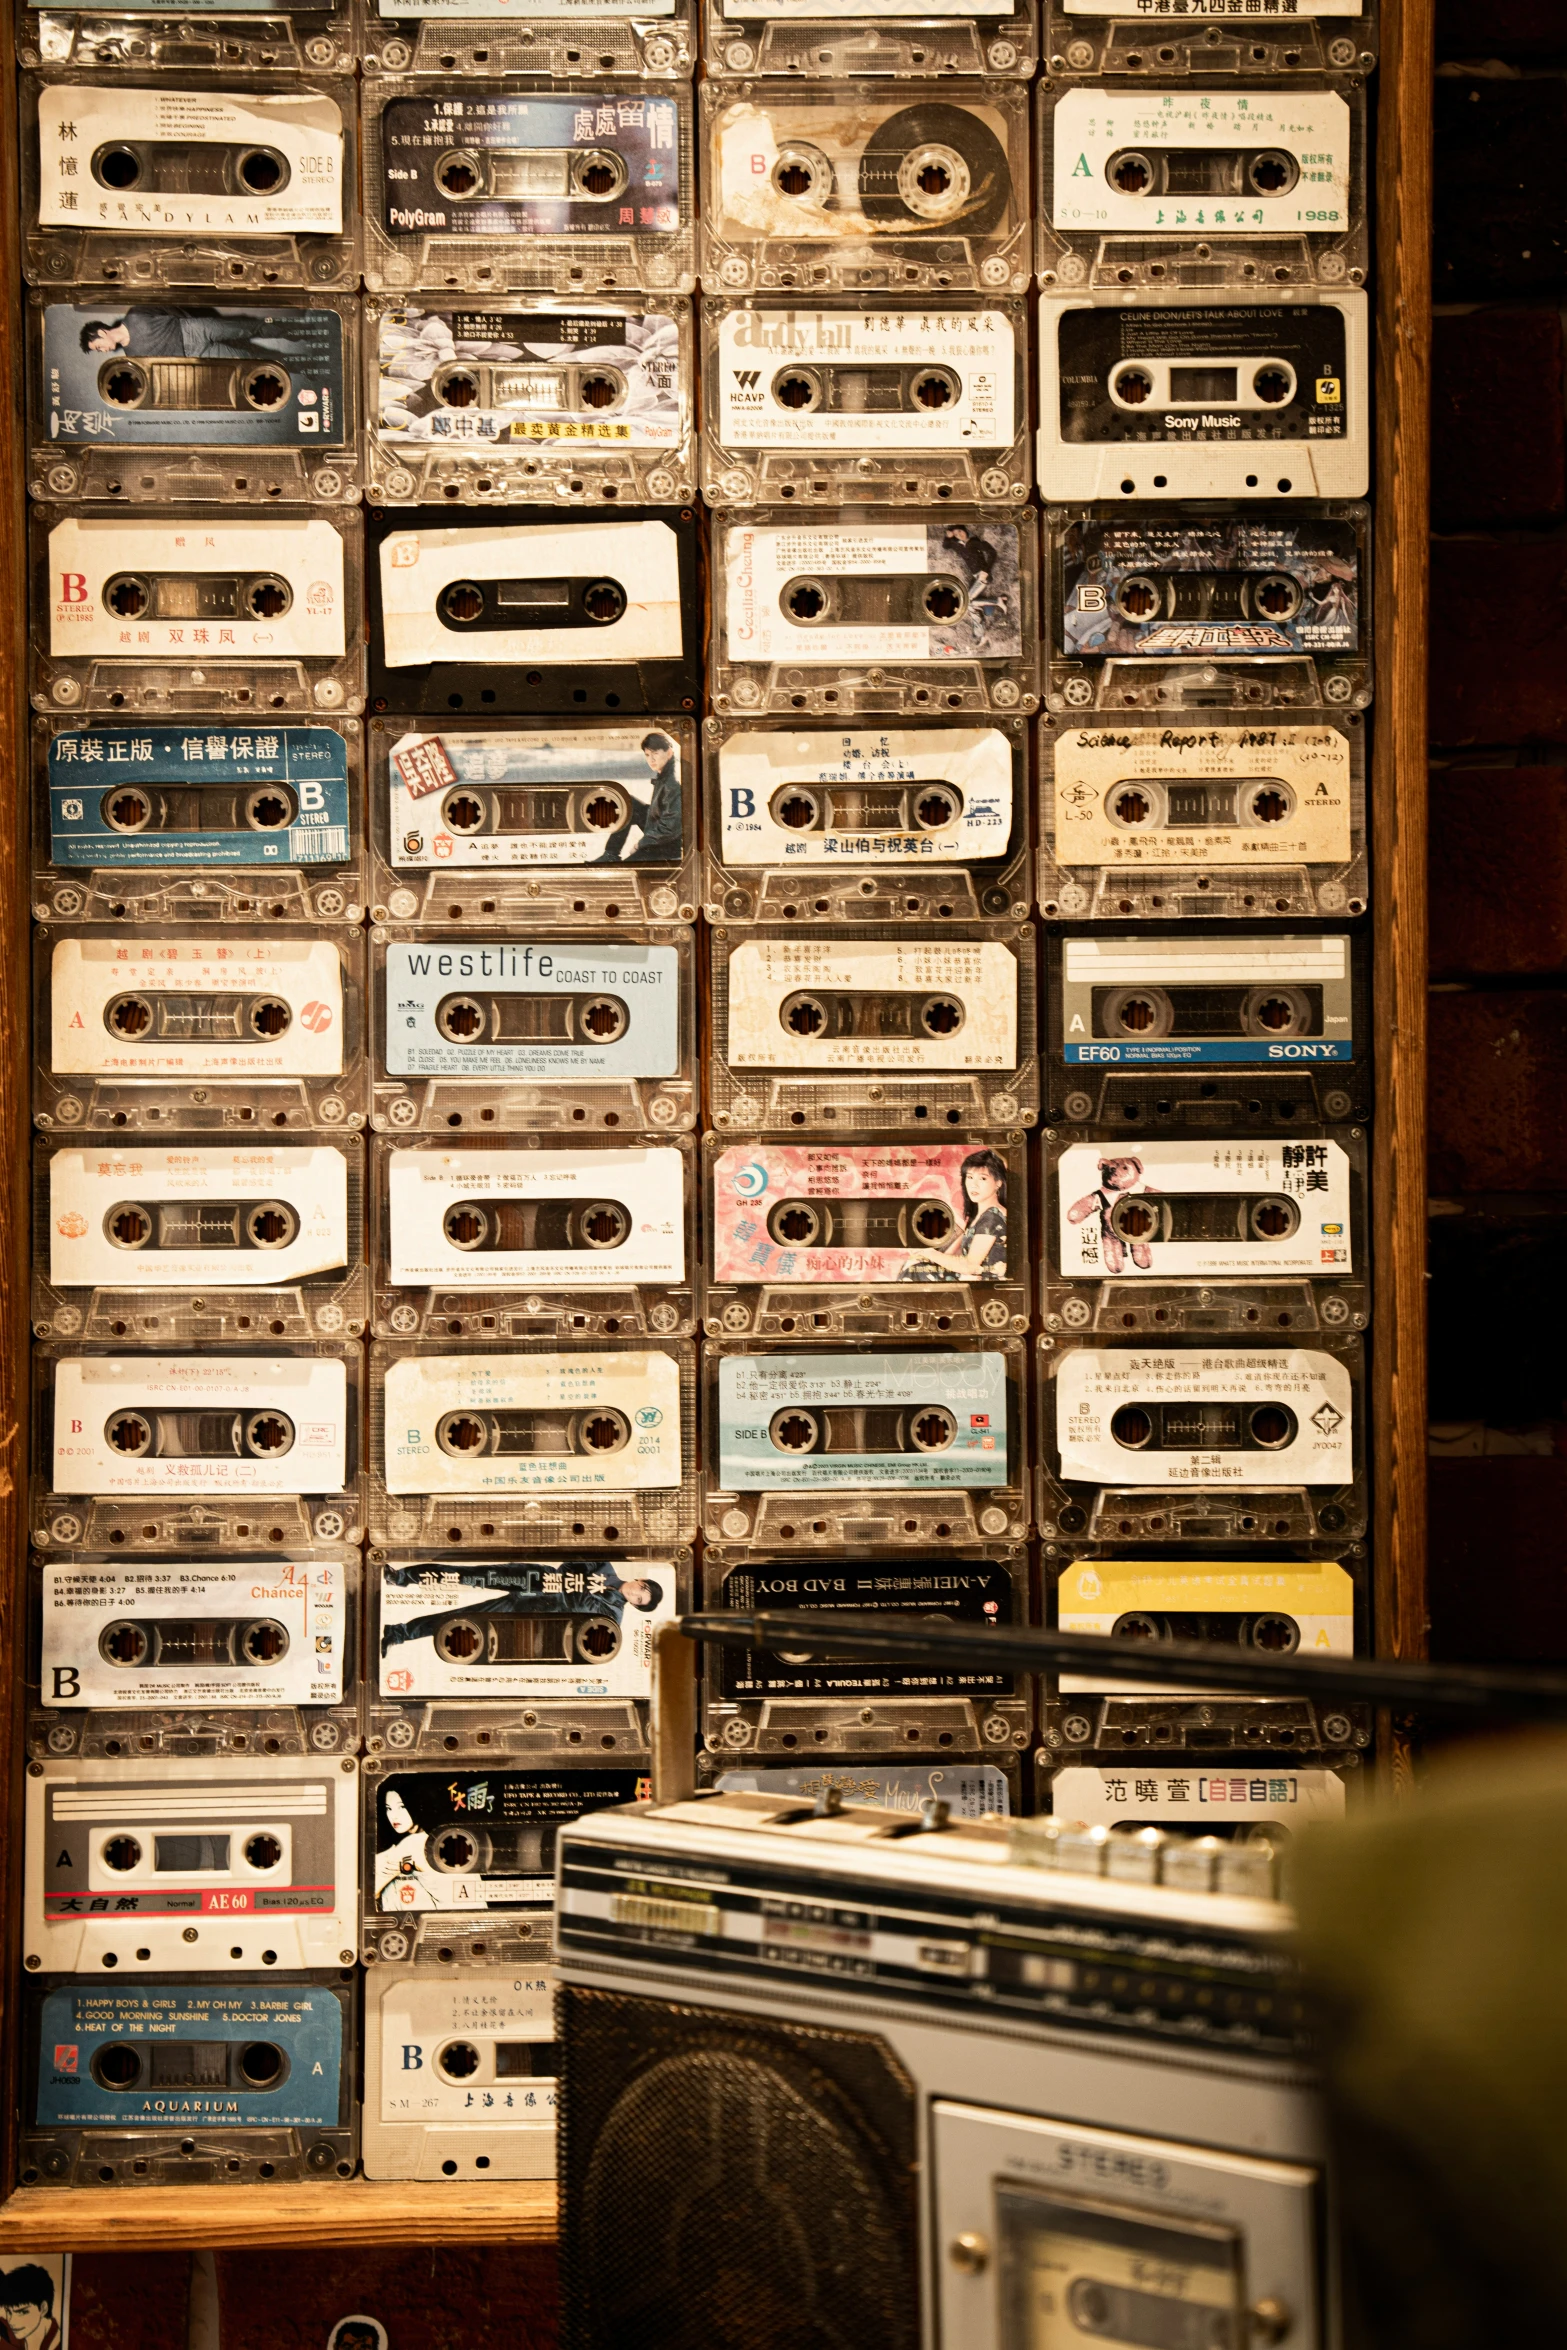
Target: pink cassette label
[873,1212]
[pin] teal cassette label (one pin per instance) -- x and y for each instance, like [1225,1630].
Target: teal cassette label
[925,1421]
[537,1010]
[161,796]
[190,2055]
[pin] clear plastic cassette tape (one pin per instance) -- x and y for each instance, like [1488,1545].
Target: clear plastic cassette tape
[587,1447]
[159,1246]
[232,36]
[199,1867]
[198,1453]
[856,401]
[1240,1236]
[587,1238]
[190,1030]
[242,404]
[511,616]
[236,2082]
[1202,185]
[881,39]
[923,190]
[879,824]
[168,614]
[1195,820]
[1277,37]
[522,1658]
[971,1791]
[1216,1030]
[531,401]
[1181,1443]
[868,615]
[197,824]
[159,182]
[577,825]
[459,1864]
[460,2073]
[1242,1814]
[873,1033]
[549,190]
[1277,1607]
[760,1702]
[1176,609]
[575,40]
[190,1657]
[535,1036]
[866,1239]
[1160,396]
[873,1448]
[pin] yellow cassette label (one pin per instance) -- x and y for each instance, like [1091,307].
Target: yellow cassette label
[1129,796]
[1305,1606]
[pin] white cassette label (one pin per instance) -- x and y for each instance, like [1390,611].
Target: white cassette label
[1248,1419]
[106,1630]
[229,591]
[942,795]
[1091,128]
[419,2017]
[783,586]
[544,1423]
[1162,796]
[1290,1214]
[1315,1595]
[1276,9]
[787,998]
[967,361]
[99,165]
[453,1213]
[200,1424]
[141,1006]
[169,1219]
[641,558]
[1202,1801]
[543,1628]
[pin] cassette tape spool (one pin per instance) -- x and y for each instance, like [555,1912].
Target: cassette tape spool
[856,1240]
[185,1030]
[921,823]
[535,1037]
[971,1791]
[1245,1236]
[154,183]
[459,1863]
[1245,1812]
[559,191]
[582,1448]
[248,824]
[460,2073]
[923,190]
[1202,185]
[233,2082]
[762,1703]
[859,402]
[577,40]
[159,617]
[241,404]
[197,1453]
[592,824]
[531,401]
[1167,609]
[874,1033]
[1324,36]
[249,37]
[526,1658]
[861,616]
[511,616]
[1193,820]
[142,1657]
[1177,1443]
[866,1449]
[1159,396]
[486,1240]
[196,1867]
[882,39]
[1274,1607]
[161,1247]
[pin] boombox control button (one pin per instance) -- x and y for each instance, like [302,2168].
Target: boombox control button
[971,2254]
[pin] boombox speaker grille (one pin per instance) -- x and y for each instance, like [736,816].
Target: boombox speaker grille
[730,2183]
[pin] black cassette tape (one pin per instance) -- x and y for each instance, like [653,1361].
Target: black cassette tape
[758,1702]
[1235,1816]
[159,1031]
[1207,1029]
[583,1447]
[155,182]
[182,1656]
[535,400]
[803,39]
[576,825]
[1189,36]
[898,1239]
[197,1453]
[480,40]
[512,615]
[575,1238]
[189,2083]
[866,1448]
[971,1790]
[110,36]
[557,189]
[459,1863]
[1179,1442]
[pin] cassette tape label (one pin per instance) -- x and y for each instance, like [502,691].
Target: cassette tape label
[200,1425]
[912,380]
[1199,1211]
[134,375]
[163,1007]
[544,1629]
[916,592]
[545,164]
[117,2056]
[132,797]
[1180,587]
[174,1219]
[873,1212]
[512,798]
[1133,1003]
[540,1423]
[969,1790]
[1307,1606]
[1270,161]
[454,382]
[532,1011]
[135,1635]
[1249,1419]
[962,1595]
[474,2048]
[452,1842]
[1130,376]
[189,162]
[595,592]
[942,796]
[798,1423]
[1201,1801]
[872,1005]
[1224,795]
[540,1219]
[143,591]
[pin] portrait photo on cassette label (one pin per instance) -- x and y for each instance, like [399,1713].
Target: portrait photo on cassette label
[881,39]
[1190,36]
[540,1631]
[1212,1799]
[136,401]
[528,192]
[1252,398]
[971,1791]
[923,189]
[864,402]
[483,40]
[459,2073]
[531,402]
[185,186]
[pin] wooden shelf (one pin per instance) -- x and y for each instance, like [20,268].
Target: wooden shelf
[292,2217]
